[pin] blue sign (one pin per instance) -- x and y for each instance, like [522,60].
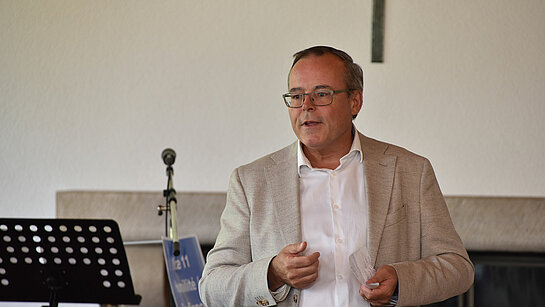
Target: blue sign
[184,271]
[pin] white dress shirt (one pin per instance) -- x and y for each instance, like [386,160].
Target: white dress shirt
[334,223]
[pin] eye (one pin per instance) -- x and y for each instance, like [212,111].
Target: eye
[296,96]
[322,93]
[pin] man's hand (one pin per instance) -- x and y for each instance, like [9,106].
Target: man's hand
[387,277]
[289,267]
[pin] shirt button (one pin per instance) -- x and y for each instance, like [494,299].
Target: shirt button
[340,277]
[336,207]
[339,240]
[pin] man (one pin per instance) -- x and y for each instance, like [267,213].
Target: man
[299,220]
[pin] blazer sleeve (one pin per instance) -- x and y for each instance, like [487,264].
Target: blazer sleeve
[231,277]
[444,269]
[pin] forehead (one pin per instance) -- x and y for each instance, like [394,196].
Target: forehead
[312,71]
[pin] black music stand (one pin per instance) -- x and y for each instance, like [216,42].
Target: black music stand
[64,260]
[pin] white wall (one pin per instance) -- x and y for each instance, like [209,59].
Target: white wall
[91,92]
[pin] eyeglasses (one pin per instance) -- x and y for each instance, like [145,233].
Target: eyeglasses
[320,97]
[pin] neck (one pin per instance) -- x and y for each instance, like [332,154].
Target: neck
[327,157]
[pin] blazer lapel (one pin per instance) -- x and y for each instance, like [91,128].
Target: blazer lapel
[283,182]
[379,177]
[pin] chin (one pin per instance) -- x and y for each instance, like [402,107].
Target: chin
[311,142]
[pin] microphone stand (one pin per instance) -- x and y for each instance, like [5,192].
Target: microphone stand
[171,229]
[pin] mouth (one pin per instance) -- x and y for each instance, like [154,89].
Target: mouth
[310,123]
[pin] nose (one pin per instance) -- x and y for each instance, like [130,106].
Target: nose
[308,103]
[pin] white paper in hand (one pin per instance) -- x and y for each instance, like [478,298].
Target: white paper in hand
[360,264]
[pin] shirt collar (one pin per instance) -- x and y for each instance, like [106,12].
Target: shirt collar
[302,160]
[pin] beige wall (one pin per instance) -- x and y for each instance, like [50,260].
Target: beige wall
[91,92]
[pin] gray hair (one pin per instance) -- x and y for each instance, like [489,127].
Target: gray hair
[353,72]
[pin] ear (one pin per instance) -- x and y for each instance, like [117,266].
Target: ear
[356,101]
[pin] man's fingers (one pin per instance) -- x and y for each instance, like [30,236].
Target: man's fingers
[373,296]
[293,269]
[314,257]
[304,270]
[387,277]
[295,249]
[304,277]
[365,292]
[303,261]
[302,274]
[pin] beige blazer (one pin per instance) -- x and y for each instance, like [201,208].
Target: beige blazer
[409,228]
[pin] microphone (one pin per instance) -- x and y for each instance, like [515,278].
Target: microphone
[176,248]
[168,155]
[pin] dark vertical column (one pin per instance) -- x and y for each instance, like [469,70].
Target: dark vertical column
[377,48]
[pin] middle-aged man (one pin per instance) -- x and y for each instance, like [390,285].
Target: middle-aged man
[294,219]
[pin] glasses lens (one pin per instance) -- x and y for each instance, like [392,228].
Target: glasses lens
[294,100]
[322,97]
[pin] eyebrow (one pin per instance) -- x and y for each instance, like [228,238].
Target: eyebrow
[317,87]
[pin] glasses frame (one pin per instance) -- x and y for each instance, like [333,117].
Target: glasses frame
[288,95]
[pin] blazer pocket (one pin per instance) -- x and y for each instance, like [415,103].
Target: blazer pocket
[396,216]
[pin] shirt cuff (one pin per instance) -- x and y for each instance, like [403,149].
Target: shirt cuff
[281,293]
